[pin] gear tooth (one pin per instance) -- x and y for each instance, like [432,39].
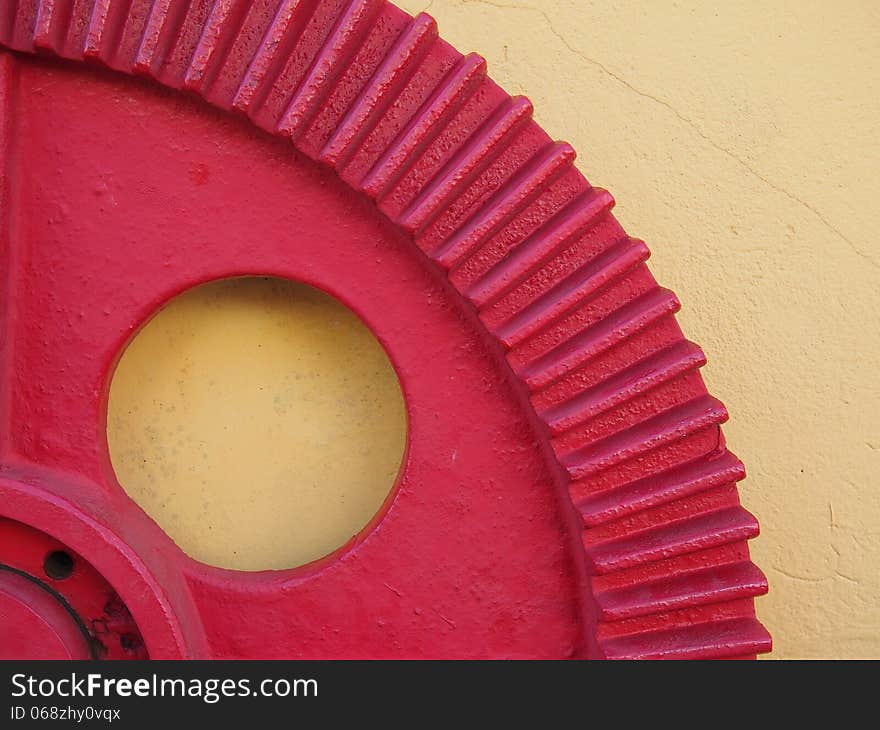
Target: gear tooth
[660,367]
[711,640]
[509,201]
[716,584]
[159,35]
[707,472]
[7,23]
[105,29]
[80,18]
[276,46]
[248,35]
[663,541]
[337,53]
[131,35]
[644,436]
[450,95]
[583,213]
[640,439]
[221,28]
[17,27]
[625,322]
[382,90]
[583,284]
[179,34]
[52,24]
[483,147]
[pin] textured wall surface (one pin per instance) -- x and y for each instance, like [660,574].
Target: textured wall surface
[740,141]
[265,383]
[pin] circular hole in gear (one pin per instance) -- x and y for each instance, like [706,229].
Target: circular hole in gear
[258,421]
[58,565]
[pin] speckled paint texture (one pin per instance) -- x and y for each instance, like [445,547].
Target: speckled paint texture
[740,140]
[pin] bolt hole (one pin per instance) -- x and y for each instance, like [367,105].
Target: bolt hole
[58,565]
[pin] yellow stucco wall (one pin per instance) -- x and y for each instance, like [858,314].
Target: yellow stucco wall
[740,140]
[258,421]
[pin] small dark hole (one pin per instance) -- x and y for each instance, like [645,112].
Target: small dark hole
[58,565]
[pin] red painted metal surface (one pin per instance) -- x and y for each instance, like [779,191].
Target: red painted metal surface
[566,490]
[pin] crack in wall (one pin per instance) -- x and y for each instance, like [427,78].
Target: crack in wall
[818,214]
